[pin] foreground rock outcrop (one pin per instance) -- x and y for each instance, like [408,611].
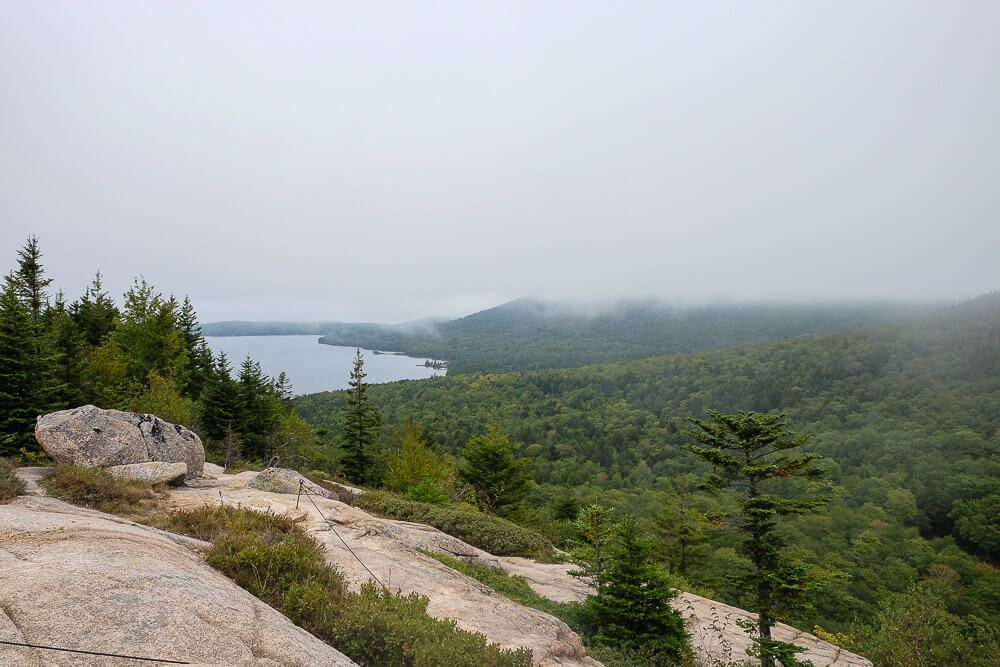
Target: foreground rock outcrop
[75,578]
[90,436]
[389,549]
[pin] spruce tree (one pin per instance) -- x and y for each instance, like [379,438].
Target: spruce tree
[70,348]
[632,606]
[29,280]
[491,466]
[95,313]
[751,453]
[28,385]
[220,410]
[257,403]
[360,427]
[198,353]
[16,350]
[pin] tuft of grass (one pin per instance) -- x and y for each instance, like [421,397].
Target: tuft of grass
[486,531]
[10,485]
[275,560]
[98,489]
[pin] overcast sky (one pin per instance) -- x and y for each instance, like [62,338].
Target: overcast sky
[386,161]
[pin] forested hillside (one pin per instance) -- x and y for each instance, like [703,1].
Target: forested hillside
[906,415]
[528,334]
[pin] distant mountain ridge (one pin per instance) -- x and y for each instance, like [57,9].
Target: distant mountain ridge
[530,334]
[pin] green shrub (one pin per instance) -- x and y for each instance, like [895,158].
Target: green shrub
[510,586]
[486,531]
[427,491]
[98,489]
[275,560]
[10,485]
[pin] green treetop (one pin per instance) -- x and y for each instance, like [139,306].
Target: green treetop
[491,466]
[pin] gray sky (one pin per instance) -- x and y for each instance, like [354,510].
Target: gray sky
[384,161]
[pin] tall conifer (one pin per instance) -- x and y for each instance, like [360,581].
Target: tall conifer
[361,425]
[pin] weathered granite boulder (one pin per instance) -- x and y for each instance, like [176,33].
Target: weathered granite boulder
[90,436]
[211,470]
[154,472]
[77,578]
[283,480]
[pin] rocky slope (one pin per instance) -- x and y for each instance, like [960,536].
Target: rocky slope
[76,578]
[389,549]
[56,561]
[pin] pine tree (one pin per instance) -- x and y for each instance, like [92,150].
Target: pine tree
[29,280]
[632,606]
[361,425]
[750,452]
[283,390]
[491,466]
[198,353]
[16,350]
[66,340]
[28,386]
[95,313]
[257,408]
[220,411]
[682,526]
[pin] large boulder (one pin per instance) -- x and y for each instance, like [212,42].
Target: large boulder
[80,579]
[283,480]
[90,436]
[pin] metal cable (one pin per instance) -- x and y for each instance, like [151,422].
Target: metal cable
[99,653]
[309,495]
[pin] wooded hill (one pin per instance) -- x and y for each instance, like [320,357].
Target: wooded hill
[906,414]
[529,334]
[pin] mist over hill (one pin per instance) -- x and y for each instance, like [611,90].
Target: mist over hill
[529,334]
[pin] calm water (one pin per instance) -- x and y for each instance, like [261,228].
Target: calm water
[313,367]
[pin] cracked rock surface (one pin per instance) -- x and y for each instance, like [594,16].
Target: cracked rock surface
[81,579]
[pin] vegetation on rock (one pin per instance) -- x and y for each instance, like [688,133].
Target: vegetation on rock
[279,563]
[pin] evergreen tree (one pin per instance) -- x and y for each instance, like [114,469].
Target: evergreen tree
[632,606]
[595,529]
[491,466]
[198,353]
[257,410]
[95,313]
[29,280]
[682,526]
[69,346]
[28,386]
[360,427]
[148,338]
[750,452]
[220,410]
[283,390]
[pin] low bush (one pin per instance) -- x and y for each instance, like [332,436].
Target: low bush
[275,560]
[98,489]
[486,531]
[510,586]
[10,485]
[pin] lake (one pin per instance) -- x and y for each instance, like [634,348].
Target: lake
[313,367]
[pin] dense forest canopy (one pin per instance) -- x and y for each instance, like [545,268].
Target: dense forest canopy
[904,414]
[529,334]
